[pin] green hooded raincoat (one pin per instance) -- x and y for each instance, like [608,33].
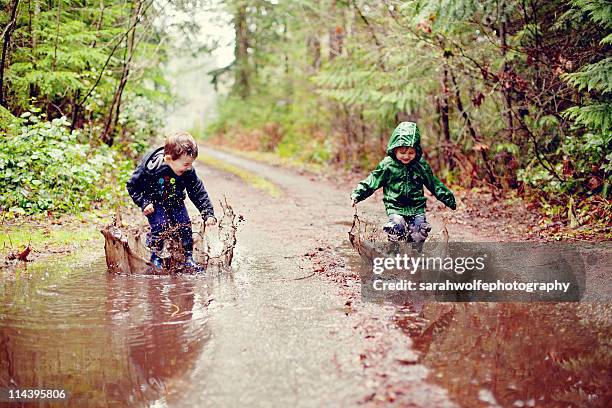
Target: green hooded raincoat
[403,183]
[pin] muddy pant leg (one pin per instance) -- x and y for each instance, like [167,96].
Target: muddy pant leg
[180,218]
[418,231]
[159,223]
[396,228]
[418,228]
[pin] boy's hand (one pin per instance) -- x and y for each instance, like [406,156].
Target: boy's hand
[353,203]
[148,209]
[210,221]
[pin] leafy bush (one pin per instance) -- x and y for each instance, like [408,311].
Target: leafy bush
[140,120]
[44,167]
[7,120]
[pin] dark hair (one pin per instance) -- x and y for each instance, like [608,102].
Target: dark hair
[179,144]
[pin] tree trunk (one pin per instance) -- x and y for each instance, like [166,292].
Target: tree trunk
[75,110]
[57,34]
[336,35]
[99,23]
[468,122]
[444,121]
[241,51]
[439,137]
[506,86]
[371,29]
[115,109]
[33,20]
[30,31]
[5,45]
[314,50]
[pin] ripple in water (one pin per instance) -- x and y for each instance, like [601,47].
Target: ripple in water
[109,340]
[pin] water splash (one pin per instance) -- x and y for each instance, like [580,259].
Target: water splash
[127,252]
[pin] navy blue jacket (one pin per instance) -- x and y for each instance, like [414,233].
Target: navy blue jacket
[154,182]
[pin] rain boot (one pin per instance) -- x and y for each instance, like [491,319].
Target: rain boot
[191,264]
[157,262]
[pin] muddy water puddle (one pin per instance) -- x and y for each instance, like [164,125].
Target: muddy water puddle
[511,354]
[108,340]
[516,354]
[113,340]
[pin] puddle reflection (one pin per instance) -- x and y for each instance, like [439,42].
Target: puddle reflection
[516,354]
[108,340]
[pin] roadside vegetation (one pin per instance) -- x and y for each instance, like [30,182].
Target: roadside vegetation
[82,93]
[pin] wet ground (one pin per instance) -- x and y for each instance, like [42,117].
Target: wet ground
[281,330]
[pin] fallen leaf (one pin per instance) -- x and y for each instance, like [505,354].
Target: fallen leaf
[23,255]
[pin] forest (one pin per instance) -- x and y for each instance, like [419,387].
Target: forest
[512,98]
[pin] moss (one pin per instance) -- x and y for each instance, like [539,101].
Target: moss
[251,179]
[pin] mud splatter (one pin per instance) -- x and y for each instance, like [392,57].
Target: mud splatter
[127,252]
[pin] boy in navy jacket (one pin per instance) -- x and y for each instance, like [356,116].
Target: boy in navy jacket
[158,187]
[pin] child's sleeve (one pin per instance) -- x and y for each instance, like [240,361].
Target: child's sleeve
[198,195]
[437,188]
[136,187]
[373,182]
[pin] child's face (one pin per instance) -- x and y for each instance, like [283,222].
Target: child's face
[180,165]
[405,154]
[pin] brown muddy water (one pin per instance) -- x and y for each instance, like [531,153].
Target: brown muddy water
[117,340]
[516,354]
[108,340]
[512,354]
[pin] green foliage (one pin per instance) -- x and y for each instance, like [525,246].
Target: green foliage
[72,59]
[237,119]
[7,120]
[233,112]
[44,167]
[600,11]
[590,145]
[99,64]
[596,116]
[142,118]
[507,147]
[358,82]
[61,48]
[539,177]
[495,95]
[593,77]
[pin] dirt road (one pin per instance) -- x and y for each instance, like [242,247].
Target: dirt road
[281,335]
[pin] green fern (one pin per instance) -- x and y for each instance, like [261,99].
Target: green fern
[593,77]
[594,82]
[599,11]
[597,116]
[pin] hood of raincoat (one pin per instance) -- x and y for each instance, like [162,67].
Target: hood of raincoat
[406,134]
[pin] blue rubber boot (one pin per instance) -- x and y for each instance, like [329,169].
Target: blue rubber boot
[191,264]
[157,262]
[395,228]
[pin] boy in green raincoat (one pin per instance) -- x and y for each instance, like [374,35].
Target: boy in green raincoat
[402,175]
